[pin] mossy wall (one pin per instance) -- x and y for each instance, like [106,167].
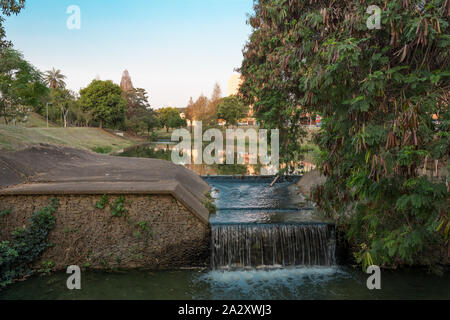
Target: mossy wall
[155,232]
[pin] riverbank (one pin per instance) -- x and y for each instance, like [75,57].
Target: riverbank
[72,207]
[13,138]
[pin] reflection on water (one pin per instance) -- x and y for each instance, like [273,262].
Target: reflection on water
[295,284]
[163,150]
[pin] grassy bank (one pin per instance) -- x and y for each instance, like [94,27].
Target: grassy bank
[34,120]
[19,137]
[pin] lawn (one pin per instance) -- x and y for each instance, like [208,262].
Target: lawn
[19,137]
[34,120]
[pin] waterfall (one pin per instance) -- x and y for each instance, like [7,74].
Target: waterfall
[236,246]
[259,226]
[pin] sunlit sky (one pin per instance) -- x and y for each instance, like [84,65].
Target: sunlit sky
[173,48]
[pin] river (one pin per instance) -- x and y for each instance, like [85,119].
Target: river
[267,243]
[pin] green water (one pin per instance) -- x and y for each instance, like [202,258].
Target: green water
[163,151]
[293,284]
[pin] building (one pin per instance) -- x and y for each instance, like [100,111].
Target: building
[125,83]
[234,84]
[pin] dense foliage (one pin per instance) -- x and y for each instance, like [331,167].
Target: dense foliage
[21,86]
[104,100]
[383,94]
[139,116]
[232,109]
[170,118]
[26,245]
[61,102]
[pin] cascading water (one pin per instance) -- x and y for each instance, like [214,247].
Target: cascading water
[272,245]
[257,226]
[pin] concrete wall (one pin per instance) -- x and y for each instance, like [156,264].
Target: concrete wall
[93,238]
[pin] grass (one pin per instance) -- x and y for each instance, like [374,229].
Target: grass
[34,120]
[19,137]
[35,131]
[310,152]
[163,135]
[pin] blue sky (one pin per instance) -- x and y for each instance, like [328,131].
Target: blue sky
[173,48]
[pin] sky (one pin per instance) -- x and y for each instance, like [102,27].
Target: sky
[174,49]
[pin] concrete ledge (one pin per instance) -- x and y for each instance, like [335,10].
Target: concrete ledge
[51,170]
[174,189]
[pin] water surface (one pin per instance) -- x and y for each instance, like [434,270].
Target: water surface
[297,284]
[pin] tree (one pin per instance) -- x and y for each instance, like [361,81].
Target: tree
[64,101]
[170,118]
[137,99]
[81,117]
[55,79]
[104,100]
[217,93]
[149,119]
[211,112]
[139,115]
[21,86]
[232,109]
[8,7]
[189,113]
[200,108]
[204,109]
[377,91]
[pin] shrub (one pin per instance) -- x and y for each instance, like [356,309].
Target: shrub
[27,245]
[117,208]
[102,150]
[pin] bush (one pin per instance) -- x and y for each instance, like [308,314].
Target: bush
[26,245]
[102,150]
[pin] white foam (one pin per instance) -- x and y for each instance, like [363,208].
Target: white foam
[262,284]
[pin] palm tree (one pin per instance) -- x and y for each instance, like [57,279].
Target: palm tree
[55,79]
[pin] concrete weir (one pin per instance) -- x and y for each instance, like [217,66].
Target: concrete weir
[166,224]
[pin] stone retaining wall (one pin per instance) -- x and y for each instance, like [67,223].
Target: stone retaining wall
[93,238]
